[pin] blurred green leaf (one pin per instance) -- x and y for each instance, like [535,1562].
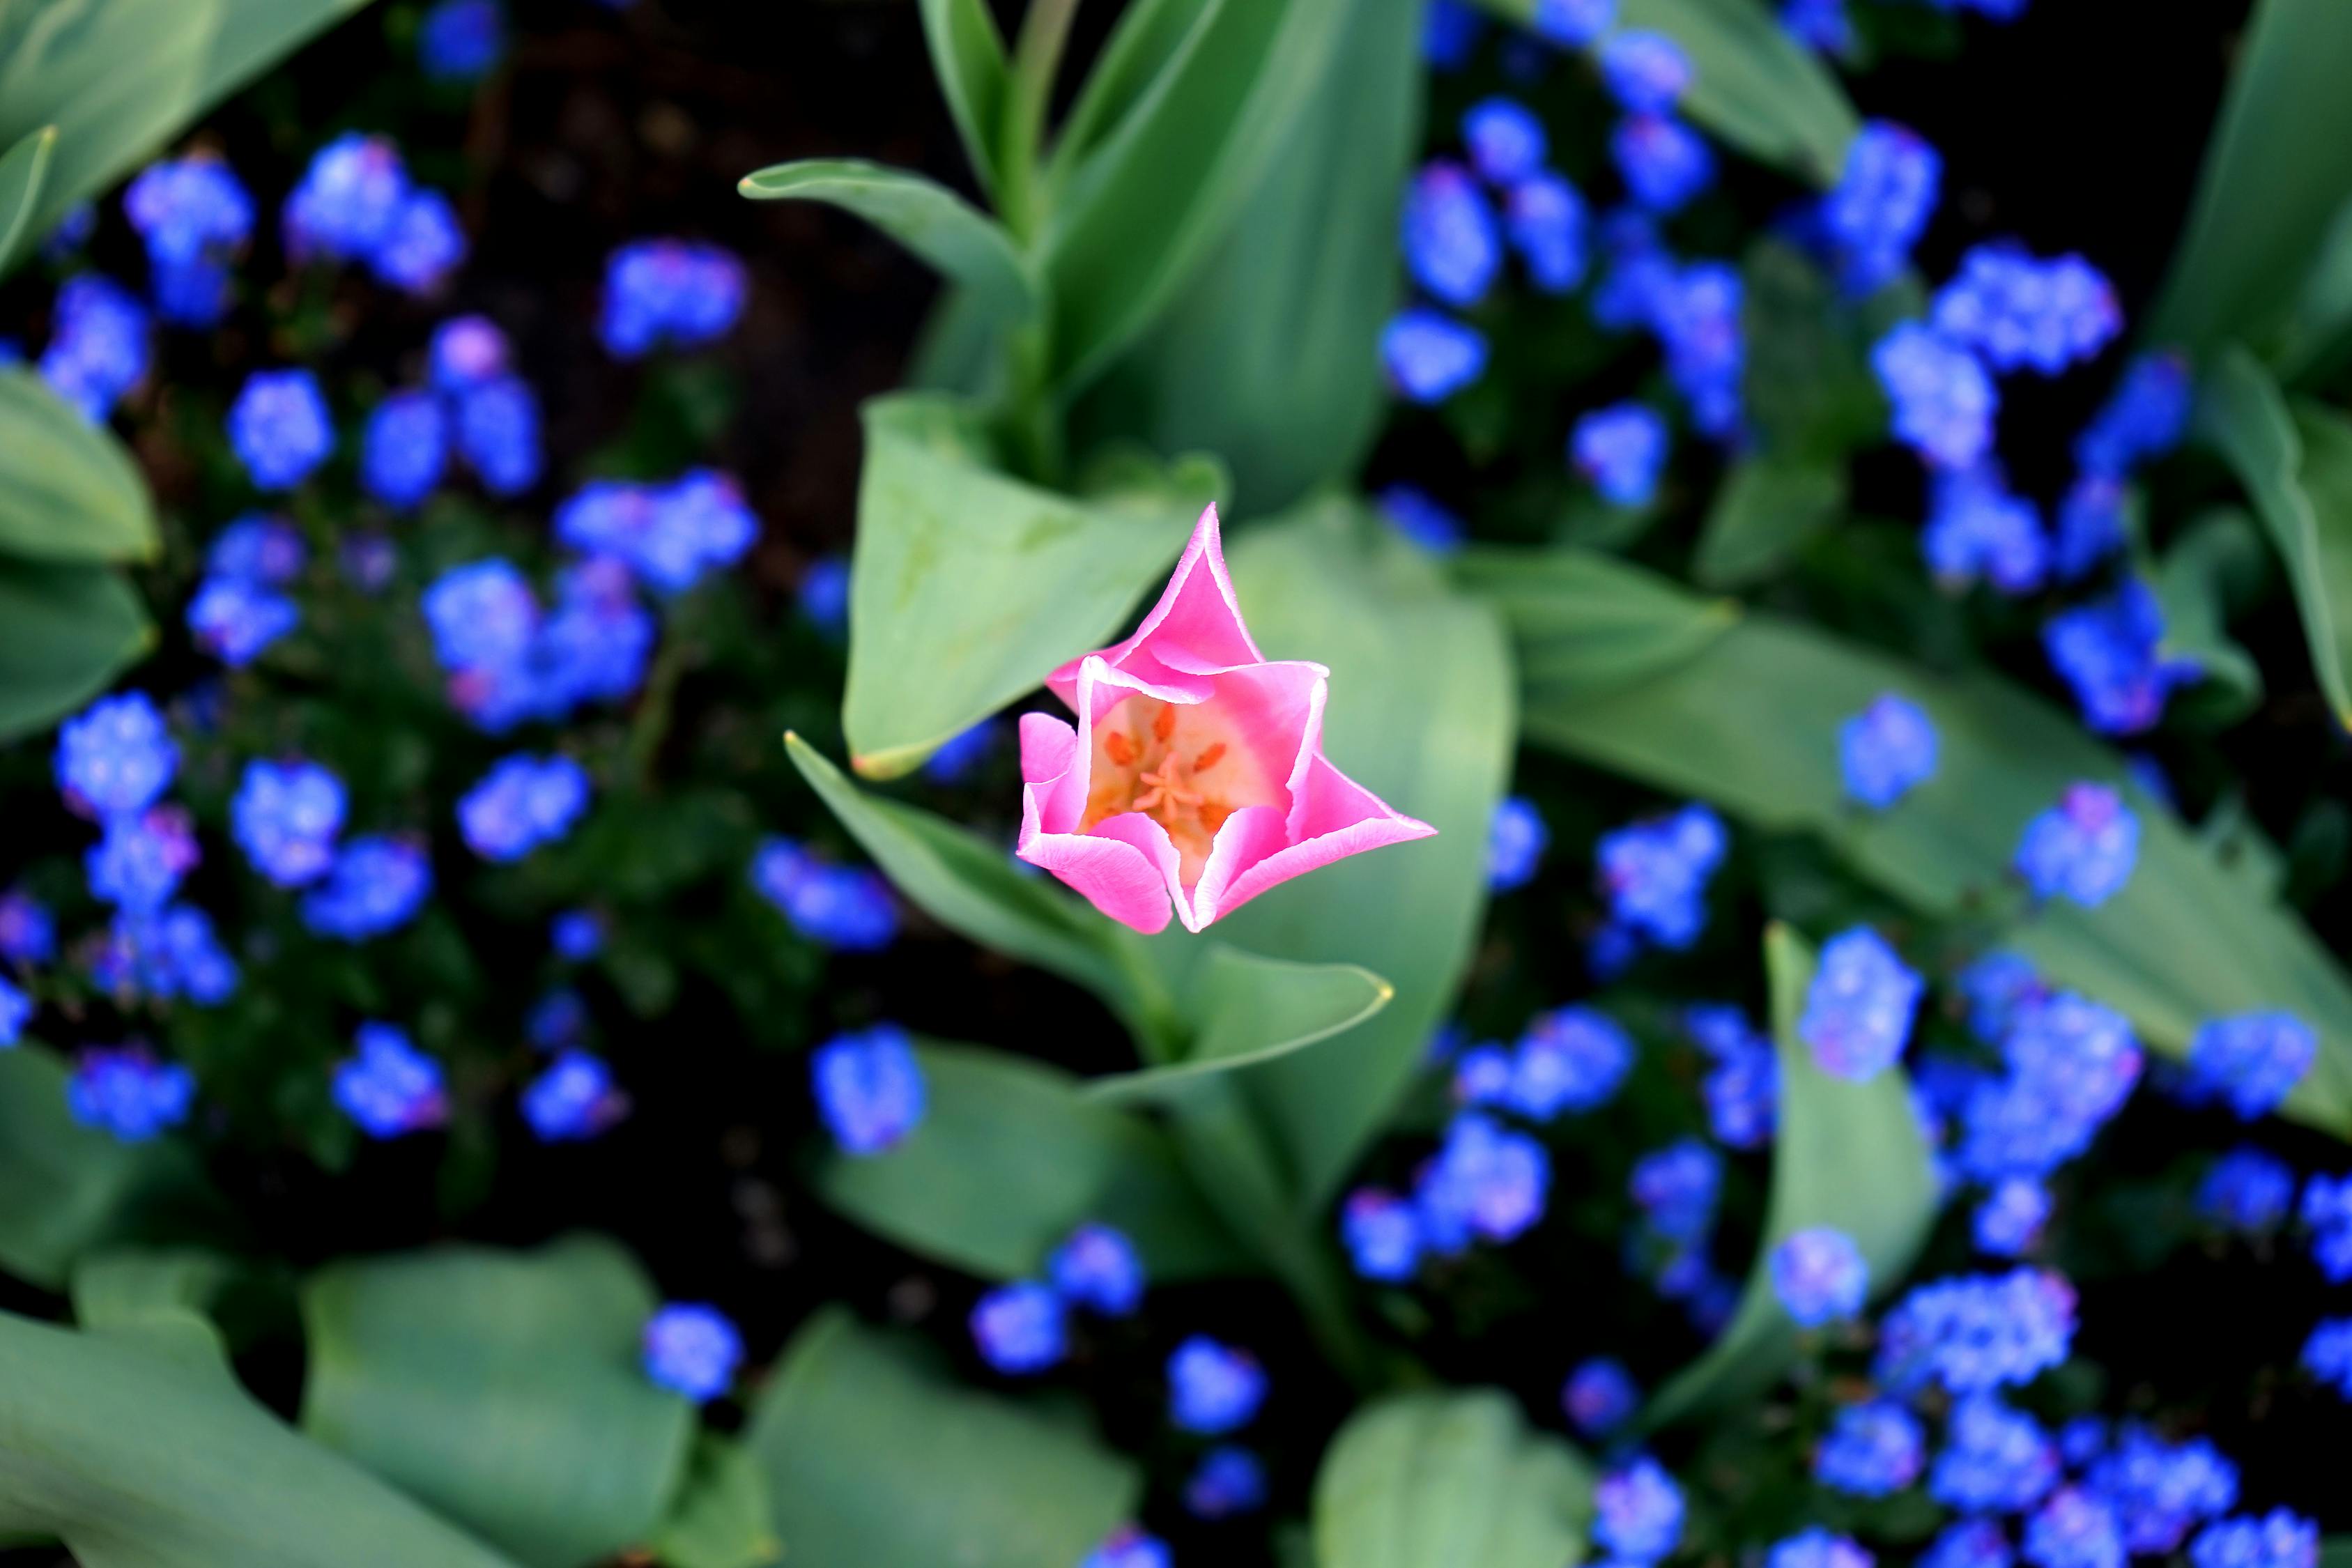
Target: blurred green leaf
[1009,1157]
[1751,723]
[722,1518]
[965,244]
[968,57]
[139,1453]
[1765,511]
[66,632]
[504,1388]
[65,1189]
[23,172]
[2208,570]
[121,1287]
[68,490]
[2313,340]
[1145,44]
[969,587]
[1270,354]
[1245,1009]
[2275,172]
[874,1456]
[1450,1480]
[1585,623]
[1135,219]
[2295,461]
[1848,1156]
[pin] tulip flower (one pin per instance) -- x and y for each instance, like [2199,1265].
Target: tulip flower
[1195,776]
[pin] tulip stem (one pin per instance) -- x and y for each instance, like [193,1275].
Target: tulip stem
[1037,60]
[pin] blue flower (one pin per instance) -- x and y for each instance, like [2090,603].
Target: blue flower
[669,293]
[2326,1209]
[1995,1459]
[1482,1074]
[1742,1092]
[1449,31]
[2159,1490]
[522,803]
[1996,985]
[1421,518]
[1970,1543]
[1857,1016]
[2081,848]
[387,1086]
[1213,1388]
[2075,1528]
[15,1011]
[1505,140]
[2090,526]
[2110,653]
[1545,219]
[191,294]
[693,1349]
[1664,163]
[1819,1275]
[1977,1333]
[1430,356]
[556,1020]
[869,1087]
[1098,1268]
[2327,1354]
[1381,1234]
[1483,1181]
[1871,1450]
[1696,317]
[2073,1063]
[115,756]
[670,535]
[2010,1220]
[1571,1058]
[1598,1396]
[1019,1328]
[497,433]
[2278,1539]
[423,245]
[824,595]
[376,885]
[139,862]
[1229,1481]
[164,954]
[280,427]
[468,351]
[1676,1187]
[2253,1061]
[256,548]
[1572,24]
[2020,313]
[574,1098]
[1128,1547]
[99,349]
[462,40]
[1821,25]
[1817,1548]
[1943,401]
[1655,874]
[481,616]
[236,620]
[286,816]
[960,757]
[2247,1190]
[127,1093]
[348,201]
[1638,1512]
[2144,419]
[188,209]
[1515,839]
[1886,750]
[28,932]
[1620,450]
[1452,243]
[577,935]
[1885,194]
[404,449]
[1646,72]
[1642,272]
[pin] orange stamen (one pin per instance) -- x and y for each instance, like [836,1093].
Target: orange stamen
[1208,758]
[1213,816]
[1163,724]
[1119,749]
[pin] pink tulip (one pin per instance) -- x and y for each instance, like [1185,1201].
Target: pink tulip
[1196,773]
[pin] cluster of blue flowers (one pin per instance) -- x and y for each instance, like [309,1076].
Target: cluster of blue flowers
[1023,1328]
[473,407]
[521,804]
[1859,1007]
[869,1087]
[670,293]
[1819,1275]
[1654,876]
[356,204]
[1742,1090]
[850,908]
[387,1086]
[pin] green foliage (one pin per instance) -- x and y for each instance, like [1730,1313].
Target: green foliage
[1846,1155]
[1248,1010]
[23,170]
[966,245]
[68,491]
[1445,1481]
[67,1189]
[503,1388]
[968,57]
[873,1455]
[722,1518]
[2214,567]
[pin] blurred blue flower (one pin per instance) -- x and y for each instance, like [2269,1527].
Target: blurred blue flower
[376,885]
[669,293]
[387,1086]
[1019,1328]
[2082,848]
[280,427]
[1819,1275]
[574,1098]
[521,804]
[1886,750]
[125,1091]
[869,1087]
[286,816]
[115,756]
[404,449]
[462,40]
[693,1349]
[1858,1009]
[1098,1268]
[1213,1388]
[1430,356]
[1599,1397]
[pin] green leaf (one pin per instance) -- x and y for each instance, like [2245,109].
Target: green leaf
[2335,1551]
[1145,43]
[2208,570]
[1751,724]
[1586,624]
[65,1189]
[1420,713]
[68,490]
[874,1456]
[1449,1480]
[2313,340]
[1766,509]
[974,889]
[966,245]
[66,632]
[722,1518]
[1270,356]
[503,1388]
[969,587]
[2295,461]
[1246,1009]
[23,172]
[1136,219]
[968,57]
[137,1455]
[123,1287]
[1009,1157]
[1756,87]
[2275,172]
[1848,1156]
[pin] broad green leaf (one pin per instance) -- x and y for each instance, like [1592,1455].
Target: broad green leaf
[2312,343]
[1245,1009]
[1420,713]
[1848,1156]
[66,632]
[122,1287]
[2275,172]
[1450,1480]
[2295,461]
[1751,723]
[1768,508]
[2335,1551]
[722,1518]
[1009,1157]
[969,587]
[1586,624]
[975,890]
[139,1454]
[1136,218]
[23,172]
[874,1456]
[1270,356]
[1754,86]
[965,244]
[502,1388]
[1145,43]
[68,490]
[968,57]
[65,1189]
[2209,569]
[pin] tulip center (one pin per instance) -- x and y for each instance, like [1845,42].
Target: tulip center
[1185,766]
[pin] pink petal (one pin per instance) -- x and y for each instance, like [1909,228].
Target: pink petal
[1247,838]
[1343,818]
[1195,628]
[1118,867]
